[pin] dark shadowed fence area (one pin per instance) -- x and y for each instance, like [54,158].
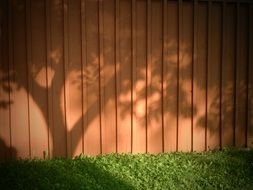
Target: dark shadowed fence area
[92,77]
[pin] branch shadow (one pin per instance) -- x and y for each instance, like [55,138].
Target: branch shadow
[88,78]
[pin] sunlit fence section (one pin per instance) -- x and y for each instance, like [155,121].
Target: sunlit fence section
[125,76]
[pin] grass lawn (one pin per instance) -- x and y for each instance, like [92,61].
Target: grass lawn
[227,169]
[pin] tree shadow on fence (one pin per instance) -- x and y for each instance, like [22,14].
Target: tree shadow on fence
[7,152]
[85,76]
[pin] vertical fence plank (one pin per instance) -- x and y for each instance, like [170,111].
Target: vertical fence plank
[194,55]
[108,78]
[164,57]
[185,77]
[73,80]
[117,68]
[170,82]
[58,129]
[28,63]
[101,72]
[48,79]
[5,144]
[83,67]
[241,75]
[228,64]
[37,72]
[124,91]
[199,77]
[66,86]
[19,96]
[214,61]
[180,15]
[235,70]
[194,65]
[207,73]
[3,149]
[250,80]
[133,72]
[178,65]
[247,77]
[148,68]
[139,130]
[91,77]
[214,78]
[223,20]
[154,84]
[10,70]
[213,118]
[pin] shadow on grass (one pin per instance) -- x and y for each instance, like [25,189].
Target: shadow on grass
[242,155]
[58,174]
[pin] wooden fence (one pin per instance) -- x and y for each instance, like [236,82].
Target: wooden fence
[92,77]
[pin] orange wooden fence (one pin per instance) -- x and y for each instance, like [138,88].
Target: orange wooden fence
[92,77]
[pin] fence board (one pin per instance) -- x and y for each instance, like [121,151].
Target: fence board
[241,77]
[58,130]
[74,91]
[199,78]
[19,119]
[66,86]
[124,83]
[155,91]
[5,144]
[91,78]
[133,69]
[48,79]
[170,78]
[185,77]
[214,78]
[37,77]
[250,81]
[228,65]
[117,68]
[164,57]
[83,66]
[10,64]
[139,133]
[109,129]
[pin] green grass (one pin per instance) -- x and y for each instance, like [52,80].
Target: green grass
[227,169]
